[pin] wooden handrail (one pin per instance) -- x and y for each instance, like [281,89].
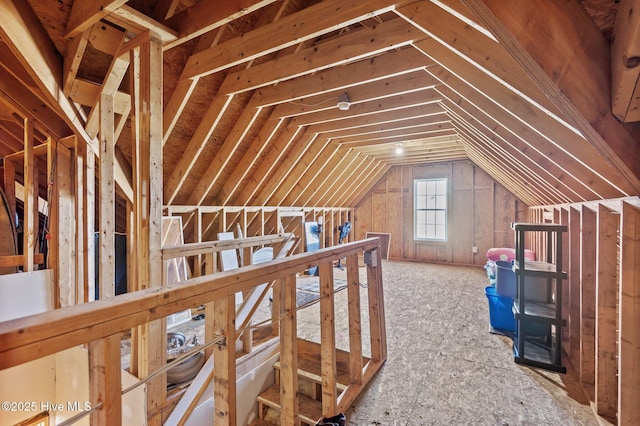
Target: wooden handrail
[32,337]
[194,249]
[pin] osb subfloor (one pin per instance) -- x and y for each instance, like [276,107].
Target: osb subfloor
[443,365]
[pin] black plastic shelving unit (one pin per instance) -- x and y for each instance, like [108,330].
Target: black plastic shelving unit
[537,341]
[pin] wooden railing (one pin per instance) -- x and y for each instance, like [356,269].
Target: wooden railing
[99,324]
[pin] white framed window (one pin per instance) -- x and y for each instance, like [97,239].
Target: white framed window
[430,209]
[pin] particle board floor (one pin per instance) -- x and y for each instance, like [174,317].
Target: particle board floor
[443,365]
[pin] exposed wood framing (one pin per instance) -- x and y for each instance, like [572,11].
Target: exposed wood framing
[30,200]
[625,62]
[629,314]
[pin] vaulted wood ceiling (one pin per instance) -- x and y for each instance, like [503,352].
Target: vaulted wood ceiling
[522,89]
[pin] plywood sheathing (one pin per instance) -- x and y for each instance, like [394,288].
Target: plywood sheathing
[453,371]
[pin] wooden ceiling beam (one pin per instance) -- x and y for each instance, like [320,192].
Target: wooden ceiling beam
[476,132]
[139,23]
[207,15]
[333,169]
[407,133]
[415,104]
[520,192]
[476,47]
[625,62]
[85,13]
[433,137]
[87,93]
[223,155]
[556,140]
[519,139]
[28,105]
[185,87]
[290,30]
[271,160]
[321,164]
[402,61]
[387,121]
[517,171]
[342,189]
[249,160]
[395,86]
[299,160]
[194,147]
[567,56]
[349,47]
[285,166]
[368,182]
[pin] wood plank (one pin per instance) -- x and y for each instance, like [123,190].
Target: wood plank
[129,18]
[185,87]
[30,215]
[72,59]
[355,326]
[377,324]
[327,340]
[54,331]
[289,30]
[224,154]
[559,144]
[606,318]
[107,198]
[207,15]
[105,381]
[224,358]
[629,317]
[625,49]
[251,158]
[289,354]
[18,259]
[574,255]
[588,296]
[402,61]
[195,146]
[65,236]
[86,13]
[545,38]
[349,47]
[476,46]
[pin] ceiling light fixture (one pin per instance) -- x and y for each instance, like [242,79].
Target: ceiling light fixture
[399,149]
[343,102]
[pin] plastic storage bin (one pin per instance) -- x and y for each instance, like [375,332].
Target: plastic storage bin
[505,279]
[500,311]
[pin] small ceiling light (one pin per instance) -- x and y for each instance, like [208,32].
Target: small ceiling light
[399,149]
[343,102]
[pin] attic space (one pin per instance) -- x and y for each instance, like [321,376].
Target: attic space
[207,206]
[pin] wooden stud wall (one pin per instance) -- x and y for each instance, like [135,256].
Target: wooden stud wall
[480,213]
[601,248]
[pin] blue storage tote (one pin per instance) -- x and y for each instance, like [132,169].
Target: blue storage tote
[500,311]
[505,279]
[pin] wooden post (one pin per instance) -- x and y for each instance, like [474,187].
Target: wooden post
[30,199]
[63,240]
[80,151]
[10,187]
[566,293]
[105,385]
[289,355]
[574,286]
[148,109]
[107,198]
[376,308]
[224,359]
[328,341]
[629,318]
[588,296]
[355,326]
[606,288]
[89,202]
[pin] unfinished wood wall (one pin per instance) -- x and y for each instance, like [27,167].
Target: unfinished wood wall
[480,213]
[601,296]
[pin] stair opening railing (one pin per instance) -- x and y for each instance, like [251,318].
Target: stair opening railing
[100,324]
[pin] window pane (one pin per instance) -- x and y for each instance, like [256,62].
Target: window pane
[430,209]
